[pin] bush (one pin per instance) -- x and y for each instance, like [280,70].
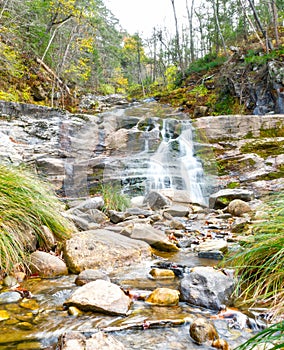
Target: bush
[26,203]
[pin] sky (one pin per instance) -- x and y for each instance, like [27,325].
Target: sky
[143,15]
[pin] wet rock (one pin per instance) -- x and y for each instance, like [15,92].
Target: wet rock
[90,275]
[220,344]
[156,200]
[177,225]
[47,265]
[4,315]
[221,199]
[72,341]
[82,221]
[10,281]
[164,297]
[145,232]
[207,287]
[100,296]
[213,254]
[103,249]
[238,207]
[162,273]
[74,311]
[202,330]
[98,341]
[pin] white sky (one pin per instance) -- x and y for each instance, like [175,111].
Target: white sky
[143,15]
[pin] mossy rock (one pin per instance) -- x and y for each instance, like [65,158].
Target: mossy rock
[264,148]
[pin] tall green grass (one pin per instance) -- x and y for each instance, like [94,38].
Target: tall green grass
[26,203]
[260,266]
[113,197]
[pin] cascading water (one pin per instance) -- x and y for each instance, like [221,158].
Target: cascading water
[174,165]
[160,155]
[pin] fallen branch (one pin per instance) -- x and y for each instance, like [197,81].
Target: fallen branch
[50,71]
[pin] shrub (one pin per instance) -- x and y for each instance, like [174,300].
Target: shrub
[26,203]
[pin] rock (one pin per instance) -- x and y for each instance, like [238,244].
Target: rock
[103,249]
[221,199]
[98,341]
[156,200]
[145,232]
[207,287]
[72,341]
[90,275]
[202,330]
[49,241]
[100,296]
[9,297]
[213,254]
[4,315]
[213,245]
[82,221]
[162,273]
[116,216]
[142,213]
[164,297]
[200,111]
[10,281]
[47,265]
[238,207]
[178,210]
[220,344]
[91,203]
[103,341]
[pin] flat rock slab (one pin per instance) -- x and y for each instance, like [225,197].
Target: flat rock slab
[103,249]
[100,296]
[222,198]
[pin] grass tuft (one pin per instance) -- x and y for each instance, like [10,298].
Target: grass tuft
[260,265]
[26,203]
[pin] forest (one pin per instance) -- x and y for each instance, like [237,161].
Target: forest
[54,51]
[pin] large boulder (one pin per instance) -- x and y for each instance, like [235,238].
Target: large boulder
[238,207]
[156,200]
[145,232]
[222,198]
[207,287]
[103,249]
[100,296]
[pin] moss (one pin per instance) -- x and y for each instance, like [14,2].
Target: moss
[278,131]
[233,185]
[264,148]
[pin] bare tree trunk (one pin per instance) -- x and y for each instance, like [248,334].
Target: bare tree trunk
[275,22]
[178,50]
[252,25]
[260,26]
[190,22]
[219,28]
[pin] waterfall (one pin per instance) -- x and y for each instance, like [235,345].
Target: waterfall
[174,166]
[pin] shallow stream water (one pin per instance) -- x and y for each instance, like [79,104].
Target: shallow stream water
[39,326]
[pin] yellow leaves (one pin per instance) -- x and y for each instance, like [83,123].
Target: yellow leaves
[10,61]
[86,44]
[82,70]
[64,7]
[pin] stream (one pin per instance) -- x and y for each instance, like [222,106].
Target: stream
[162,157]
